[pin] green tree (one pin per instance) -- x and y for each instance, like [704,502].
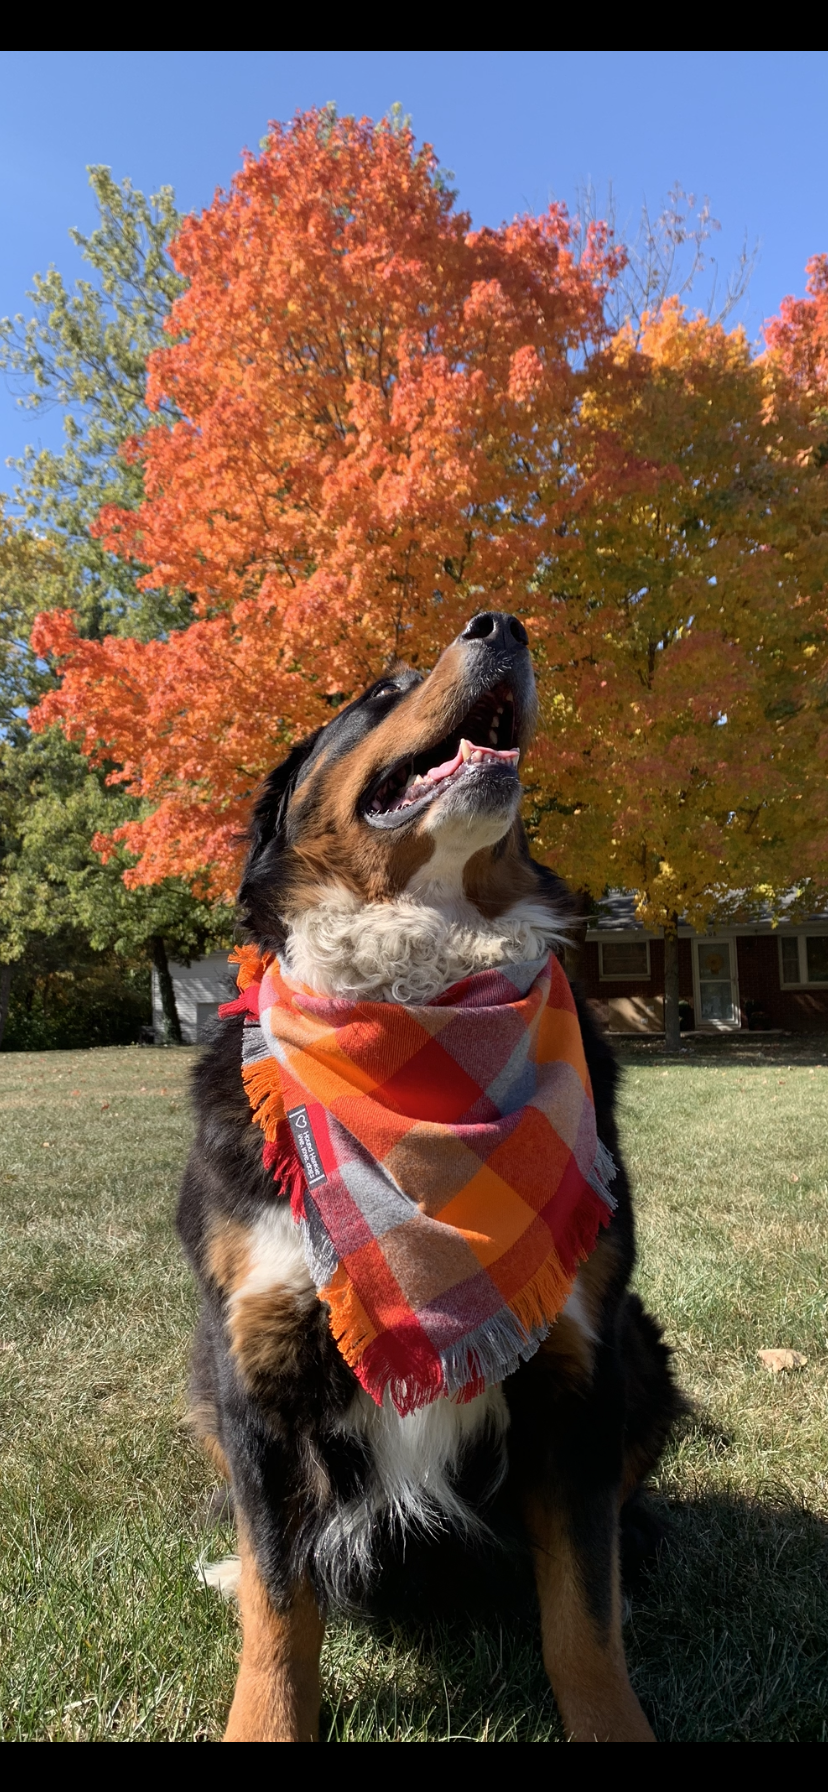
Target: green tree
[84,351]
[32,577]
[53,884]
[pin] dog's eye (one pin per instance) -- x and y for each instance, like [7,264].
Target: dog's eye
[386,689]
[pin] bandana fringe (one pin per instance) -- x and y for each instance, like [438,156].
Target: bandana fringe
[260,1075]
[479,1361]
[252,962]
[409,1368]
[264,1090]
[495,1349]
[603,1172]
[279,1156]
[547,1292]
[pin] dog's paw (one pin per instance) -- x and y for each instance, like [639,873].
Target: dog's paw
[222,1576]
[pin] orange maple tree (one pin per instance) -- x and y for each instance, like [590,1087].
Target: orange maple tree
[387,421]
[797,339]
[379,410]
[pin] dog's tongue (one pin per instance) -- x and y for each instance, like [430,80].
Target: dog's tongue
[436,772]
[468,750]
[467,753]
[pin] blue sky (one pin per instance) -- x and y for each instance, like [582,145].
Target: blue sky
[747,128]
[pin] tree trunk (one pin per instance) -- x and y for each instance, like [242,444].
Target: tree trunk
[5,992]
[172,1024]
[672,1024]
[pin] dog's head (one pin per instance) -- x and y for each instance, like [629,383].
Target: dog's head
[413,787]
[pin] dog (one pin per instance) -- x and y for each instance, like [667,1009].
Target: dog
[386,861]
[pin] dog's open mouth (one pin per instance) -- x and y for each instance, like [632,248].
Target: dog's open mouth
[482,741]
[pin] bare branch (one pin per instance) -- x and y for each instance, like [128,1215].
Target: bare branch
[666,257]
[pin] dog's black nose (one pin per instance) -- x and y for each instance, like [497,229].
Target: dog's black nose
[496,629]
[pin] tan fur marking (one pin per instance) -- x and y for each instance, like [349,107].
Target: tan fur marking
[585,1663]
[572,1350]
[204,1421]
[277,1691]
[263,1335]
[228,1255]
[595,1277]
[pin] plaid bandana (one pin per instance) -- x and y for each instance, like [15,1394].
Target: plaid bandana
[442,1162]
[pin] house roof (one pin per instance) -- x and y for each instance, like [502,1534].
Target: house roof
[615,913]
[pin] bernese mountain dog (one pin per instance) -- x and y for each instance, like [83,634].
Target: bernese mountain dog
[387,859]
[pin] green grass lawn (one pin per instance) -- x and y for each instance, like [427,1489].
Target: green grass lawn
[108,1633]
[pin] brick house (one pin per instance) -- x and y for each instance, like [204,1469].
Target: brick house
[747,975]
[743,975]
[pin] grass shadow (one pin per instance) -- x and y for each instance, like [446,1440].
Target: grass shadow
[727,1050]
[726,1637]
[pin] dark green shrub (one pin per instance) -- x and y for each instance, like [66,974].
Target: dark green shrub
[87,999]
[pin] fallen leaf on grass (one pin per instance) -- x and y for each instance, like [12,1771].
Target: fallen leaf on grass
[777,1360]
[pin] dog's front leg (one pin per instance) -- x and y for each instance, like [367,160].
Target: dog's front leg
[567,1407]
[579,1592]
[277,1691]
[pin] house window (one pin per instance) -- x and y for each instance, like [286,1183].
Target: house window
[789,956]
[816,958]
[627,959]
[803,959]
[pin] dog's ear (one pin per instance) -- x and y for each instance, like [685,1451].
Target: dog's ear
[260,890]
[268,820]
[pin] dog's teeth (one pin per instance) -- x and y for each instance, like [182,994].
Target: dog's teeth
[493,736]
[477,757]
[465,749]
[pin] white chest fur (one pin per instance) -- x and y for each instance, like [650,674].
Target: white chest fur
[412,949]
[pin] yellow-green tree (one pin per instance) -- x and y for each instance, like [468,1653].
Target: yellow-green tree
[683,752]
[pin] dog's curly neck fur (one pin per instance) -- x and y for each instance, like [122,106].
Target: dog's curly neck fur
[413,948]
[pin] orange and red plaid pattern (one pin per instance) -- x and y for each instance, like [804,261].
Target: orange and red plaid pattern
[443,1162]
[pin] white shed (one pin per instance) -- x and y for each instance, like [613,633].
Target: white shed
[199,987]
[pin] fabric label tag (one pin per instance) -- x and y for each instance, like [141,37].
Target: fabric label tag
[305,1143]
